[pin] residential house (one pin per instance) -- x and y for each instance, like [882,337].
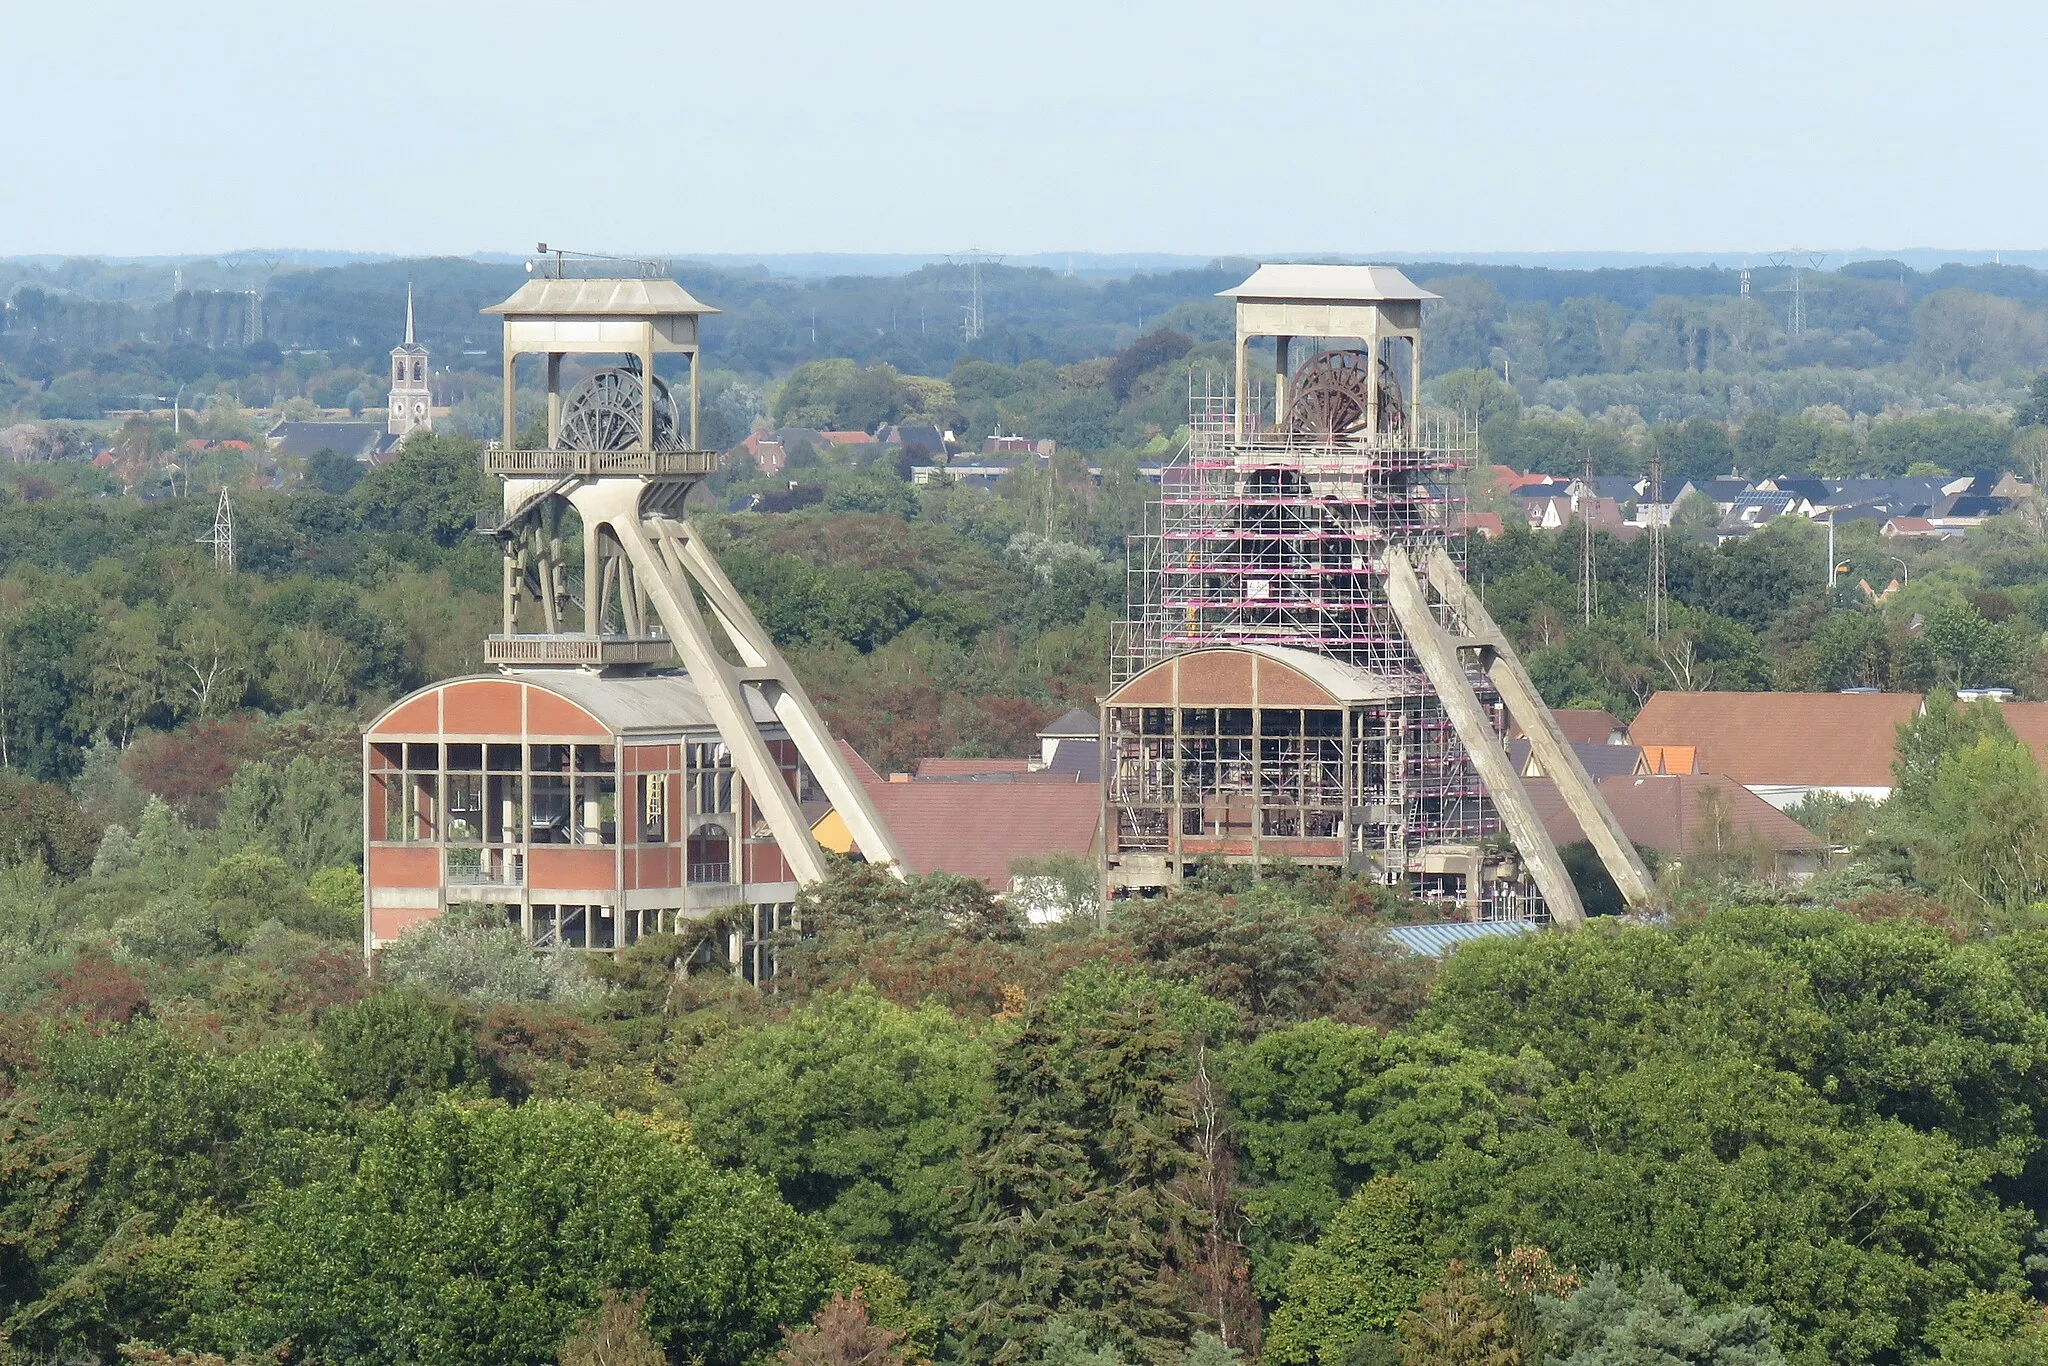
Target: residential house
[1684,815]
[368,442]
[1783,746]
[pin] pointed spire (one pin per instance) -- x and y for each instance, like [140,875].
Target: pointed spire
[408,313]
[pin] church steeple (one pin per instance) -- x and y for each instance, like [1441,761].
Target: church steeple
[412,402]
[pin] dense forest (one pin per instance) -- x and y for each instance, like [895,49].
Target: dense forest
[1237,1124]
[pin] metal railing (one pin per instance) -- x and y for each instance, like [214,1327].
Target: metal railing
[484,868]
[711,872]
[588,464]
[575,649]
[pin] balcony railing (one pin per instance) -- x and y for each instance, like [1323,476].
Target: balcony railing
[711,872]
[590,464]
[485,868]
[590,651]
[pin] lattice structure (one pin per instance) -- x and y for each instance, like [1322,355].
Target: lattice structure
[1271,529]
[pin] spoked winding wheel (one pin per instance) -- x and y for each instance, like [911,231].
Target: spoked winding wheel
[603,414]
[1328,401]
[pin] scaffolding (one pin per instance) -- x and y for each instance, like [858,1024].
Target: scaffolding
[1275,533]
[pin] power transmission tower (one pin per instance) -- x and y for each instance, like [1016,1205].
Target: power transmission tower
[1800,260]
[1589,585]
[222,537]
[974,259]
[1655,614]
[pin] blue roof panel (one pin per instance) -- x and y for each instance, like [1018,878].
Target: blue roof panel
[1434,941]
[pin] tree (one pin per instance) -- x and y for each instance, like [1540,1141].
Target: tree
[1070,1208]
[399,1048]
[433,489]
[481,1233]
[40,822]
[1938,731]
[308,813]
[842,1334]
[1456,1324]
[1148,352]
[1987,814]
[251,886]
[614,1336]
[332,473]
[858,1110]
[1697,448]
[1359,1278]
[1655,1323]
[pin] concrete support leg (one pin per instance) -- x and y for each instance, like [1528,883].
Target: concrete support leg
[792,704]
[1439,657]
[1552,750]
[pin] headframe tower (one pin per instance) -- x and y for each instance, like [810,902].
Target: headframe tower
[1317,512]
[620,458]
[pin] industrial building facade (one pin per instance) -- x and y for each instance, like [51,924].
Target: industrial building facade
[591,793]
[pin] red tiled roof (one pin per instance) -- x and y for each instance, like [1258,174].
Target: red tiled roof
[1581,725]
[1670,812]
[1487,524]
[976,829]
[863,771]
[940,767]
[848,438]
[1797,739]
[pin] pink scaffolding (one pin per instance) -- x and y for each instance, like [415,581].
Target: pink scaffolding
[1277,539]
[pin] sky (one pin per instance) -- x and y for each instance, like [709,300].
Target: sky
[1434,126]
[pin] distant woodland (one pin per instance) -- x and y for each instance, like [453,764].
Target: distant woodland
[1237,1126]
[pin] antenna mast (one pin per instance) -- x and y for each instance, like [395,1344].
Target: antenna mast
[1657,579]
[1589,586]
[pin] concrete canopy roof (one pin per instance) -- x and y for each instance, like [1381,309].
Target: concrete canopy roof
[601,298]
[1349,284]
[1342,683]
[629,703]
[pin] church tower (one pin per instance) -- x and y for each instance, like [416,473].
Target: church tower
[412,403]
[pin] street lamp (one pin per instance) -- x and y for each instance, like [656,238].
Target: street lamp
[1905,574]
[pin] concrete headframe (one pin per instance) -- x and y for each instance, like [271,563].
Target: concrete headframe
[1373,304]
[621,455]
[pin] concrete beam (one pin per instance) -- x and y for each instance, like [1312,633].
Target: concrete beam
[1439,657]
[1552,750]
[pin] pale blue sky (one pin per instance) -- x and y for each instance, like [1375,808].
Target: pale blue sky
[778,126]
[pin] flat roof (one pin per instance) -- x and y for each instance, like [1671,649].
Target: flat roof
[602,298]
[1349,284]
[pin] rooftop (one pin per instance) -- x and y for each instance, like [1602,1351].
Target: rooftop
[1434,941]
[601,298]
[976,829]
[1353,284]
[1791,738]
[1674,813]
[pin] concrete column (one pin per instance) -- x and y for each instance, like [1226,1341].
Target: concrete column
[554,400]
[1243,386]
[647,394]
[1281,346]
[511,433]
